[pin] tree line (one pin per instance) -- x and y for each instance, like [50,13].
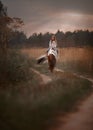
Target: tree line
[77,38]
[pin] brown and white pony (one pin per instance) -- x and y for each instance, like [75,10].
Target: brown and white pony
[52,54]
[51,57]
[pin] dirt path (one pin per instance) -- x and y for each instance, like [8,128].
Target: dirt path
[83,77]
[45,79]
[80,120]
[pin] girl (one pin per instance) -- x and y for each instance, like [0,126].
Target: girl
[52,44]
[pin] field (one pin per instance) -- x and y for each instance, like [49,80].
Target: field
[27,104]
[70,59]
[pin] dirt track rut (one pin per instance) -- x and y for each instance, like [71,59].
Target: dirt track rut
[45,79]
[80,120]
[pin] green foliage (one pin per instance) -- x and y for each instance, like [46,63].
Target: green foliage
[7,26]
[77,38]
[78,66]
[17,40]
[14,68]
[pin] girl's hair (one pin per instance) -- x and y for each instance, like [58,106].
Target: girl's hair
[53,38]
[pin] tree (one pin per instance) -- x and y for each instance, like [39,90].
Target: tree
[18,39]
[7,26]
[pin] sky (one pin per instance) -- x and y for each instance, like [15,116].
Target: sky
[52,15]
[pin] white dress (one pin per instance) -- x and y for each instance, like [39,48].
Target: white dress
[52,44]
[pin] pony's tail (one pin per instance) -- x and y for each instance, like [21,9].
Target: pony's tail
[41,59]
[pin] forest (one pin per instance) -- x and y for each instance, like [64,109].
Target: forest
[78,38]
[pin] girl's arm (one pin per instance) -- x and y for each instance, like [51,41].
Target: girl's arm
[55,44]
[50,45]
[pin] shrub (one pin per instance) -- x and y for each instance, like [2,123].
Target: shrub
[14,68]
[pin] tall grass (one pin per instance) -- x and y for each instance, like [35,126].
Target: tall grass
[77,60]
[15,70]
[73,59]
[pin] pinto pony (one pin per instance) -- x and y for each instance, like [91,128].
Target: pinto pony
[52,55]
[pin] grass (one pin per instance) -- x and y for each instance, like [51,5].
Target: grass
[77,60]
[15,69]
[25,104]
[70,59]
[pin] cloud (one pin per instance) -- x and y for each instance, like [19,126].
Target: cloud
[25,8]
[64,22]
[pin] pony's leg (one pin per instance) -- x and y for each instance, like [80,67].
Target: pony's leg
[51,62]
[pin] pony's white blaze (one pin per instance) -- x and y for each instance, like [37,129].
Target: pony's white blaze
[54,52]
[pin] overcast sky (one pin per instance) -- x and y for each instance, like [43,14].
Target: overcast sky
[51,15]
